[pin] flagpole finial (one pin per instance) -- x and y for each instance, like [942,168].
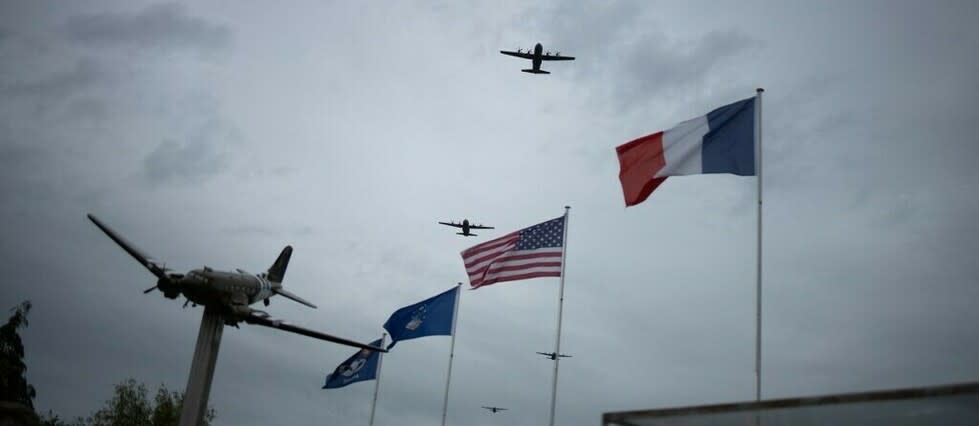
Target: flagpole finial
[760,89]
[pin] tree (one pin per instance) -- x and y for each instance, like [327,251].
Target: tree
[130,406]
[13,381]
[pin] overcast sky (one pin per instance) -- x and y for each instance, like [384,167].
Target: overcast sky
[217,133]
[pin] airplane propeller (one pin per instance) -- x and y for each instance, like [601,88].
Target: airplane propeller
[147,291]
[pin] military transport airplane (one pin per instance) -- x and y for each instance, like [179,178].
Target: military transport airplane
[466,227]
[230,292]
[536,57]
[495,409]
[552,356]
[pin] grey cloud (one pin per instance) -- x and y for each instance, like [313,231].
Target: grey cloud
[58,85]
[656,64]
[173,162]
[618,43]
[162,26]
[268,231]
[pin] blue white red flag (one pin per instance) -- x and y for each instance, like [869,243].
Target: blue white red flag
[723,141]
[528,253]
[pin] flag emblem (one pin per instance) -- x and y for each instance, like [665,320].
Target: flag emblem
[416,318]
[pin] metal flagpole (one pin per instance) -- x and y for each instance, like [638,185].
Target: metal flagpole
[452,348]
[377,378]
[758,270]
[560,308]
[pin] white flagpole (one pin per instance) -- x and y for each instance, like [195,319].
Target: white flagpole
[452,348]
[560,308]
[758,270]
[377,380]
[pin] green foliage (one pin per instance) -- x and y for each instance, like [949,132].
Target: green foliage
[51,419]
[13,382]
[130,406]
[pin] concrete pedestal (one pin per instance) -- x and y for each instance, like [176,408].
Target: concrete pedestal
[202,369]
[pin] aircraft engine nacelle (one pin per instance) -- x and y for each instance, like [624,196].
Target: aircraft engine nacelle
[169,286]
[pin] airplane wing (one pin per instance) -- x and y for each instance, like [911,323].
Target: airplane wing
[266,322]
[556,58]
[282,292]
[518,54]
[143,259]
[480,227]
[457,225]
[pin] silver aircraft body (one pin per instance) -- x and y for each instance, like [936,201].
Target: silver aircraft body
[230,292]
[536,56]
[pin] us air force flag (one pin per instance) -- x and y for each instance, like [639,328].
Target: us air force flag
[362,366]
[430,317]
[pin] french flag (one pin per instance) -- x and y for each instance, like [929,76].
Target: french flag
[723,141]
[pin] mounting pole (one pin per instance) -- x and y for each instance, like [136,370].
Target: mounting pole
[560,309]
[202,369]
[758,163]
[452,350]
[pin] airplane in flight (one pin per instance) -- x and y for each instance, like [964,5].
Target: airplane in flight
[553,356]
[536,56]
[230,293]
[495,409]
[466,227]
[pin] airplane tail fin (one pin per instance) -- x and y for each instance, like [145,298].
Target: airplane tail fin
[278,269]
[533,71]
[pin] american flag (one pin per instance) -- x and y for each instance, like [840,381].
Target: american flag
[528,253]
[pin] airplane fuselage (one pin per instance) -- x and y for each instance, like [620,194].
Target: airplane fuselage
[538,51]
[209,287]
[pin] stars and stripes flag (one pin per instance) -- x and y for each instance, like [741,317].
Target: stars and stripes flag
[528,253]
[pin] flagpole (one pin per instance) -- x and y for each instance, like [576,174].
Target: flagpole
[758,163]
[377,378]
[452,347]
[560,308]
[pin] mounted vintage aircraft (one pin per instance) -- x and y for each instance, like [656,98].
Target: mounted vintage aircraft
[536,56]
[466,227]
[495,409]
[230,293]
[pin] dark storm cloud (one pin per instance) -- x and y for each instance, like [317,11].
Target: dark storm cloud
[57,85]
[163,26]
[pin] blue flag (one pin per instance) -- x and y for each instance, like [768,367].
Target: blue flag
[430,317]
[362,366]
